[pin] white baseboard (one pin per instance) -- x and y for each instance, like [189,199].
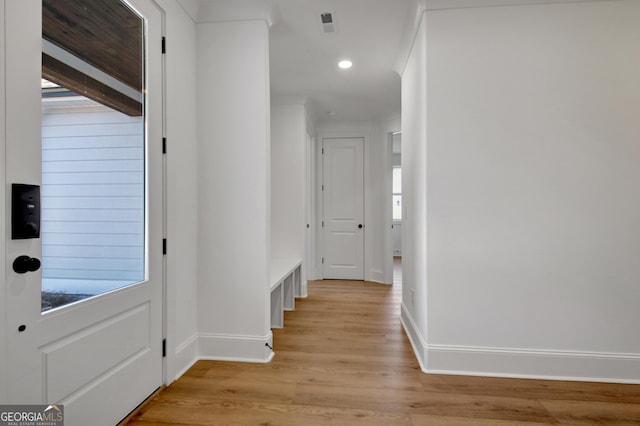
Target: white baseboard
[235,348]
[534,364]
[415,337]
[519,363]
[185,356]
[218,347]
[376,276]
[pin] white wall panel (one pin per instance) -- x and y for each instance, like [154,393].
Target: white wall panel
[414,187]
[288,183]
[234,174]
[531,223]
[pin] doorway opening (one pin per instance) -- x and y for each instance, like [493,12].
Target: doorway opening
[396,208]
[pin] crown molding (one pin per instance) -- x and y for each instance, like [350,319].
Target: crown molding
[210,11]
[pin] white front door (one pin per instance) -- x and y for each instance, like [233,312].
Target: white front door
[343,204]
[102,355]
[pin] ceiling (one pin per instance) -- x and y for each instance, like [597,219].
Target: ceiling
[304,60]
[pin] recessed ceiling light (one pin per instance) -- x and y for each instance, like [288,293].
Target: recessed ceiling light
[345,64]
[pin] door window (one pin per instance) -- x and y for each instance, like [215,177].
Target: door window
[93,150]
[397,193]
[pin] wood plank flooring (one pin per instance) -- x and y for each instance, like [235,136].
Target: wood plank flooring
[343,359]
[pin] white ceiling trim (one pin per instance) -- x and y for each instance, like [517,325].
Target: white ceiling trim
[208,11]
[422,6]
[409,37]
[190,7]
[470,4]
[289,100]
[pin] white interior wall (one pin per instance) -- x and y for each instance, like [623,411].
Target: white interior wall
[414,190]
[181,190]
[234,177]
[532,224]
[376,208]
[288,183]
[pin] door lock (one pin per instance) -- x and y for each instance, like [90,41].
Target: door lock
[360,226]
[24,264]
[25,211]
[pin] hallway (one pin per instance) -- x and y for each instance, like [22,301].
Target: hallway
[343,359]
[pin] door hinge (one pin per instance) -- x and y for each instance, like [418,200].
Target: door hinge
[322,151]
[323,223]
[164,348]
[164,45]
[164,246]
[164,145]
[323,187]
[323,260]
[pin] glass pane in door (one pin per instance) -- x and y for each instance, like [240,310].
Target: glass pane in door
[93,150]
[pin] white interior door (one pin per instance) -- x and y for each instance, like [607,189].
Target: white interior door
[101,356]
[343,205]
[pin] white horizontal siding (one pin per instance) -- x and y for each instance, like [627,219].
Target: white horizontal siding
[95,215]
[92,154]
[123,252]
[92,198]
[95,227]
[81,142]
[99,129]
[61,178]
[93,114]
[95,202]
[89,190]
[96,239]
[91,166]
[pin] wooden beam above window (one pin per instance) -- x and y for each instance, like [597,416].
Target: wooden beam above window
[80,83]
[105,34]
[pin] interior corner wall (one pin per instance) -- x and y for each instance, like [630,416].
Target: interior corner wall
[288,182]
[414,190]
[181,188]
[233,113]
[532,208]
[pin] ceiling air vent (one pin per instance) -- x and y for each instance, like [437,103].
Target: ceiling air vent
[328,26]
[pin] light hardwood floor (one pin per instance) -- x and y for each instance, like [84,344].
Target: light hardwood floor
[343,359]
